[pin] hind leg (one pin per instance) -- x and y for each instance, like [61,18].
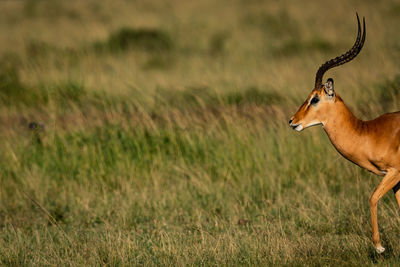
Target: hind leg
[391,179]
[396,191]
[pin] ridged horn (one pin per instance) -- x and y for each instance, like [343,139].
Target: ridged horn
[346,57]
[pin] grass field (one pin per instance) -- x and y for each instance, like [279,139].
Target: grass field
[155,133]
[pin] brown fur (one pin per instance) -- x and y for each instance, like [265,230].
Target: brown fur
[373,145]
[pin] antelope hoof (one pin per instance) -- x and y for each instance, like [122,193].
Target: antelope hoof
[379,248]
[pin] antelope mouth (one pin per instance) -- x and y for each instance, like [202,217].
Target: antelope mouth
[298,127]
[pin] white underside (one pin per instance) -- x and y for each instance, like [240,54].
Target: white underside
[300,126]
[314,123]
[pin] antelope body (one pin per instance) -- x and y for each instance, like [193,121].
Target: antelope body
[373,145]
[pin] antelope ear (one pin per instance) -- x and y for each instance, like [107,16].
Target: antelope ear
[328,87]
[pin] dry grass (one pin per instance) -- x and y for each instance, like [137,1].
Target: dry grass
[161,133]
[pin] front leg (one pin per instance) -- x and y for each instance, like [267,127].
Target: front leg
[388,182]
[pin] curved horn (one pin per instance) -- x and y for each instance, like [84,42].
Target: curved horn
[346,57]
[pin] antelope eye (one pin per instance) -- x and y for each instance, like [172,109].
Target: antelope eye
[314,100]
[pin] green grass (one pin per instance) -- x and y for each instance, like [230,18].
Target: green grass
[159,136]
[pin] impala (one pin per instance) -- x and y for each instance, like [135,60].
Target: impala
[373,145]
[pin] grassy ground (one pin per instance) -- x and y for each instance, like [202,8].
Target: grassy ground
[155,133]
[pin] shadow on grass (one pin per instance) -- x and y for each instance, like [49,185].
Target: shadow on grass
[203,97]
[295,46]
[152,40]
[13,92]
[156,43]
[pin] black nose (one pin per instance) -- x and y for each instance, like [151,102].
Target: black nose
[290,122]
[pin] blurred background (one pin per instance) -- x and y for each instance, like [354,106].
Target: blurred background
[155,132]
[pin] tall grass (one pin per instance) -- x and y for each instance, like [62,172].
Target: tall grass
[160,137]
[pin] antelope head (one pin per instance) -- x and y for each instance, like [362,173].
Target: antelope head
[320,103]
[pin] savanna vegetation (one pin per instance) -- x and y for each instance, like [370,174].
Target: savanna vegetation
[155,133]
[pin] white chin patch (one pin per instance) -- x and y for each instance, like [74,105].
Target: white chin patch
[299,128]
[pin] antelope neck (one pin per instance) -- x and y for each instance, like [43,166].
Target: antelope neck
[345,131]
